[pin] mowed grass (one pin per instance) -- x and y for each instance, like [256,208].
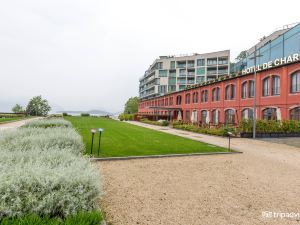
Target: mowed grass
[123,139]
[6,120]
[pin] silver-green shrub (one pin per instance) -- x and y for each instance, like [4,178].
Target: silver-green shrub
[43,172]
[42,138]
[48,122]
[54,183]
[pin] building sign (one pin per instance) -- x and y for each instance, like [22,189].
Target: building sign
[277,62]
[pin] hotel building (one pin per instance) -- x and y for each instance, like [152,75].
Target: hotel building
[229,99]
[173,73]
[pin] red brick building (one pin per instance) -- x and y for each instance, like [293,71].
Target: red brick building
[229,99]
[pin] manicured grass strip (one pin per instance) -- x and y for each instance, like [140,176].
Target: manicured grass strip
[123,139]
[82,218]
[11,119]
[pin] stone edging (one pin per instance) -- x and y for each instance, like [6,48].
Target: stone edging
[162,156]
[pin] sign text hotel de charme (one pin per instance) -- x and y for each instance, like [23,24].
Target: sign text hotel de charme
[274,63]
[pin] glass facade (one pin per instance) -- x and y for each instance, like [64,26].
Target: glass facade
[163,73]
[283,46]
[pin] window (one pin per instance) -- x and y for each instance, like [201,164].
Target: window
[216,94]
[247,114]
[244,90]
[172,73]
[204,96]
[223,60]
[251,89]
[295,114]
[275,85]
[212,61]
[295,82]
[167,101]
[187,115]
[230,92]
[203,116]
[171,100]
[266,87]
[200,62]
[215,116]
[229,116]
[269,114]
[200,79]
[172,80]
[178,100]
[188,98]
[162,89]
[200,71]
[172,64]
[195,97]
[163,73]
[172,88]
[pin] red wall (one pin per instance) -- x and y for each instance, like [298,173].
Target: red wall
[285,101]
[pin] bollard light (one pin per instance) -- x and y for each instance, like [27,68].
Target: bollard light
[93,131]
[100,134]
[229,135]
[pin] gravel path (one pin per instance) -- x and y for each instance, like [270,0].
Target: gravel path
[219,189]
[15,124]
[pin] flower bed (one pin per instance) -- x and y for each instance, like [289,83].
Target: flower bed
[42,172]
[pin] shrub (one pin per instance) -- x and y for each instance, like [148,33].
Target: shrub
[65,114]
[126,117]
[84,114]
[40,138]
[49,122]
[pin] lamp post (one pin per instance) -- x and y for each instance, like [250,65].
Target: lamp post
[93,131]
[100,133]
[229,135]
[254,96]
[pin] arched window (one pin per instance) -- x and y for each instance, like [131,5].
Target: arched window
[215,116]
[188,98]
[203,116]
[204,96]
[230,92]
[167,101]
[178,100]
[244,89]
[229,116]
[266,87]
[251,89]
[275,85]
[247,114]
[295,82]
[216,94]
[171,100]
[269,114]
[195,97]
[295,114]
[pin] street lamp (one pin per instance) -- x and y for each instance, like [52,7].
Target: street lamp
[254,103]
[229,135]
[100,133]
[93,131]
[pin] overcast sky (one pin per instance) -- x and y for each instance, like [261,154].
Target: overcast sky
[90,54]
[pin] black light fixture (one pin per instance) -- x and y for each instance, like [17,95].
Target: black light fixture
[93,131]
[100,134]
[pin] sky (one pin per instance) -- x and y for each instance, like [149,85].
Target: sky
[83,55]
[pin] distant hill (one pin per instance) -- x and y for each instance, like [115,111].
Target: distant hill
[94,111]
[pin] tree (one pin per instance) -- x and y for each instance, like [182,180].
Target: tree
[38,107]
[17,109]
[131,105]
[242,55]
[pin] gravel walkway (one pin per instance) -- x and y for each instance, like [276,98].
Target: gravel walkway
[10,125]
[219,189]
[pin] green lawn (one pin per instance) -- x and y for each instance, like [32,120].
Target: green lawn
[4,120]
[123,139]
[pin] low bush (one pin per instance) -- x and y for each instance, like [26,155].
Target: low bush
[82,218]
[48,122]
[126,117]
[270,126]
[152,122]
[24,139]
[43,173]
[12,115]
[84,114]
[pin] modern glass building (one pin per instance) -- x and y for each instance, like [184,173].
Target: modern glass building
[281,43]
[174,73]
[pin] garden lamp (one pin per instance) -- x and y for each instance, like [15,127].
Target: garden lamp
[93,131]
[100,133]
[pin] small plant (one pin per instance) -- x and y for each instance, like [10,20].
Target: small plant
[84,114]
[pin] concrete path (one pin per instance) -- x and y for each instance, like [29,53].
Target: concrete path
[220,189]
[15,124]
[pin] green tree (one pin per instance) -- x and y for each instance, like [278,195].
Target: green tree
[17,109]
[242,55]
[131,105]
[38,107]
